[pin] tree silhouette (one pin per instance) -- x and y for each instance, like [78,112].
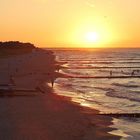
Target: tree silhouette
[15,47]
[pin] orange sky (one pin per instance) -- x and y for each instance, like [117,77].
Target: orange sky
[64,23]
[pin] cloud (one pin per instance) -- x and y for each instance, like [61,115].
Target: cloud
[90,4]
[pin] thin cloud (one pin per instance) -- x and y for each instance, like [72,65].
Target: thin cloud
[90,4]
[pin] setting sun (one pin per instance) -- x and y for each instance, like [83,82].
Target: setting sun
[91,37]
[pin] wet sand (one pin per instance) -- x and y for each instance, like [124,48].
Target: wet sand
[45,115]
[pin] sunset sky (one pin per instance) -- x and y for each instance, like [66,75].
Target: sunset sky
[71,23]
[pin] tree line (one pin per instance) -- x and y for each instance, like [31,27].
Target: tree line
[16,45]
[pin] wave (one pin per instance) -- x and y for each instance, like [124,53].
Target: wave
[125,85]
[105,89]
[68,71]
[132,96]
[84,78]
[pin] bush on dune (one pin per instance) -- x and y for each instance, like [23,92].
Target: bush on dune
[15,47]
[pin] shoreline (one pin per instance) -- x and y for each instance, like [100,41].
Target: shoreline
[48,116]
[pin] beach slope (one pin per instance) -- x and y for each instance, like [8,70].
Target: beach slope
[30,110]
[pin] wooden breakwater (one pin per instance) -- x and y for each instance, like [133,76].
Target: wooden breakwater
[78,67]
[101,77]
[8,91]
[117,115]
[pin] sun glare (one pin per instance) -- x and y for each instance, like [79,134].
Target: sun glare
[91,37]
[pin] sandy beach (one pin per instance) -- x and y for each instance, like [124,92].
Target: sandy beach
[30,110]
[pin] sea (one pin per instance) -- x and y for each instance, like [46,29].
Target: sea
[104,79]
